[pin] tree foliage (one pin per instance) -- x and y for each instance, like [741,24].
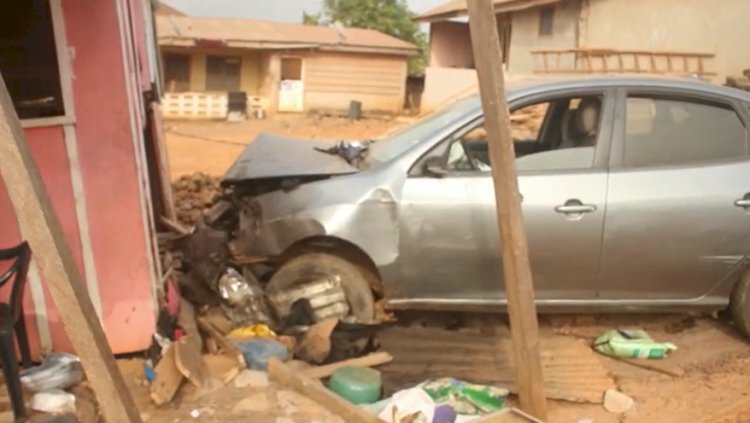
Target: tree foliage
[392,17]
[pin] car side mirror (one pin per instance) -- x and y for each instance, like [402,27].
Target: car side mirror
[434,166]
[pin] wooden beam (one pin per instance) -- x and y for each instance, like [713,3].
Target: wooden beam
[41,227]
[313,389]
[374,359]
[519,287]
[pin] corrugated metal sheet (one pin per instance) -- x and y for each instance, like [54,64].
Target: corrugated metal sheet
[333,80]
[175,30]
[456,8]
[572,371]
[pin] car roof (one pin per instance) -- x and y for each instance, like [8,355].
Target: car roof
[539,84]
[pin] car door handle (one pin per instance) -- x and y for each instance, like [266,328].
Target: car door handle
[745,202]
[576,208]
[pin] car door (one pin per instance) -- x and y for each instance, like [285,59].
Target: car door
[679,184]
[449,238]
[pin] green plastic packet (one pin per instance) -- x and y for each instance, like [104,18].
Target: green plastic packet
[466,398]
[631,343]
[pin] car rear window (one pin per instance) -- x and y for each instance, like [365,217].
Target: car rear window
[665,131]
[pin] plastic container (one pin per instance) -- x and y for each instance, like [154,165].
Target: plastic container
[257,352]
[358,385]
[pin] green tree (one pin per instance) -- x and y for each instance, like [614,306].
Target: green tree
[392,17]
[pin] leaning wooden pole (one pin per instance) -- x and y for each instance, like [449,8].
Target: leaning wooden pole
[519,287]
[42,229]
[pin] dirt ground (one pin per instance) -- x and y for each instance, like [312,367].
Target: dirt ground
[714,388]
[211,147]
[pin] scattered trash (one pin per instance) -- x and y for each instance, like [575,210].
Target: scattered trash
[585,420]
[258,351]
[351,151]
[54,401]
[466,398]
[195,413]
[252,379]
[243,298]
[616,402]
[358,385]
[444,413]
[57,371]
[258,330]
[408,402]
[631,343]
[148,370]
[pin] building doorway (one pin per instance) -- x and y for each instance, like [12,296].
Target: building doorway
[292,88]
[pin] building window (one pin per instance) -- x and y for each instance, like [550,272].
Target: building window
[29,62]
[291,69]
[176,72]
[223,73]
[546,20]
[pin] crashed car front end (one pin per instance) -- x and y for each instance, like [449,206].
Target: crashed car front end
[354,208]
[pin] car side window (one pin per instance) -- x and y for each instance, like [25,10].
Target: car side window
[667,131]
[559,134]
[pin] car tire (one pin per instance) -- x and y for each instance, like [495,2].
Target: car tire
[355,281]
[739,304]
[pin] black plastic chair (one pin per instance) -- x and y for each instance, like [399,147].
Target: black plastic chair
[11,321]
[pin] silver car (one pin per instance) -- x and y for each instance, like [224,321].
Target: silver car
[636,197]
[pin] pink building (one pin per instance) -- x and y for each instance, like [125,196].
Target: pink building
[82,75]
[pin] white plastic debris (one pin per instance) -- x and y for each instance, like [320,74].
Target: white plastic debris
[57,371]
[408,402]
[54,401]
[616,402]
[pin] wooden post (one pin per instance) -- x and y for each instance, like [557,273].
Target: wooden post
[42,229]
[519,287]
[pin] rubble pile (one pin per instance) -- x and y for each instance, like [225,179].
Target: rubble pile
[194,193]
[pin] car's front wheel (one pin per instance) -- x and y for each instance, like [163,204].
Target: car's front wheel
[739,304]
[309,266]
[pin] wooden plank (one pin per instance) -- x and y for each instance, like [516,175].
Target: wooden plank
[369,360]
[653,365]
[220,339]
[189,361]
[519,287]
[314,390]
[168,378]
[40,226]
[162,161]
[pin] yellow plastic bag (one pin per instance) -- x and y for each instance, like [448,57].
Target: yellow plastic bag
[252,331]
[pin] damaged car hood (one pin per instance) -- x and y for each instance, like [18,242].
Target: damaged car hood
[273,156]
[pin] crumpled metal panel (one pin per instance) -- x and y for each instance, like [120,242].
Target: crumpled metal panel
[367,218]
[272,156]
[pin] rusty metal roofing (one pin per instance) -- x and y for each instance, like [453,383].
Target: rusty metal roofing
[457,8]
[244,33]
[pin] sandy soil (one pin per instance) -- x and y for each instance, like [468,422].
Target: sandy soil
[211,147]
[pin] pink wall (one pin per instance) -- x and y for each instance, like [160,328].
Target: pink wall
[48,148]
[450,45]
[108,167]
[111,182]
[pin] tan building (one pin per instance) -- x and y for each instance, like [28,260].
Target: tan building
[285,67]
[676,37]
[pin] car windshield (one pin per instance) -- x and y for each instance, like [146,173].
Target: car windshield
[400,142]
